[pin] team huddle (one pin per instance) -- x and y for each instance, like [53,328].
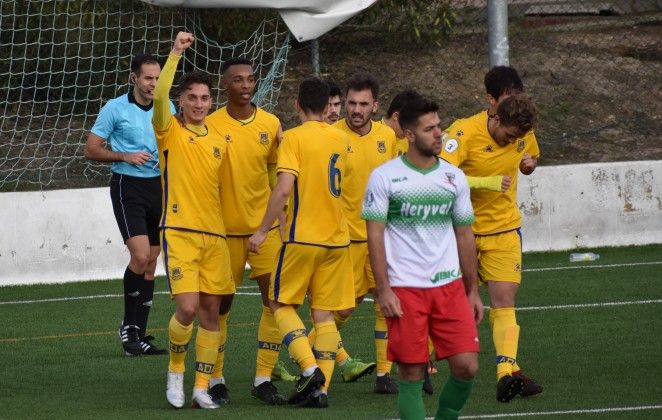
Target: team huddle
[329,211]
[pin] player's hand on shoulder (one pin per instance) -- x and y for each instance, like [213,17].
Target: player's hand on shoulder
[137,158]
[528,164]
[182,42]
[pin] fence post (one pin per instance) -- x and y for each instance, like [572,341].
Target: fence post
[315,53]
[497,23]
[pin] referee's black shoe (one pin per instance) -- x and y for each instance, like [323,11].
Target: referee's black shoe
[149,348]
[306,385]
[130,340]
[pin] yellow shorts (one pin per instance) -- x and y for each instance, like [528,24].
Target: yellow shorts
[261,263]
[364,280]
[325,272]
[500,257]
[196,262]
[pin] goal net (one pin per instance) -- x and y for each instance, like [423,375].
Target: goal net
[63,60]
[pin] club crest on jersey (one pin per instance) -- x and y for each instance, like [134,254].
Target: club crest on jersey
[451,178]
[381,146]
[176,273]
[228,138]
[217,152]
[520,145]
[264,138]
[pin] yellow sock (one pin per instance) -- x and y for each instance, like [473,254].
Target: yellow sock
[179,336]
[381,341]
[505,334]
[206,349]
[223,338]
[268,344]
[430,346]
[341,354]
[312,336]
[294,336]
[326,345]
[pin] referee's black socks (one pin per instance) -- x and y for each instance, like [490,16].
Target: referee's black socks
[142,311]
[133,284]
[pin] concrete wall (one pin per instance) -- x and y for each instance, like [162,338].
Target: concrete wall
[67,235]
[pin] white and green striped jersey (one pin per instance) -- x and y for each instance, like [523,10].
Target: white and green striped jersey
[419,208]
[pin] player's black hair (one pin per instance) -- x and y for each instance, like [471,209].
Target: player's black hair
[195,77]
[334,89]
[414,109]
[518,111]
[234,61]
[503,80]
[363,81]
[140,59]
[400,100]
[313,95]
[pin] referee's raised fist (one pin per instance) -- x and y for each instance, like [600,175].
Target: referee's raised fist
[182,42]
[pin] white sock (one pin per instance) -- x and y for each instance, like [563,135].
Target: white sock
[309,371]
[259,380]
[216,381]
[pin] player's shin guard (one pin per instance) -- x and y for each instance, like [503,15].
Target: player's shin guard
[179,336]
[505,334]
[410,400]
[453,397]
[206,349]
[381,342]
[325,348]
[222,339]
[142,311]
[294,336]
[268,344]
[132,285]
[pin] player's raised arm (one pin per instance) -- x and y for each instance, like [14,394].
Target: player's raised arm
[162,116]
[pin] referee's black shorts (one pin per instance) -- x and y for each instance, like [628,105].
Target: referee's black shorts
[137,206]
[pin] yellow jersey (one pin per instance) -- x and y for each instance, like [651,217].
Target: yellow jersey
[401,143]
[190,165]
[251,146]
[468,145]
[365,153]
[316,154]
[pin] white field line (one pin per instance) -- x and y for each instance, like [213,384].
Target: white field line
[562,413]
[577,267]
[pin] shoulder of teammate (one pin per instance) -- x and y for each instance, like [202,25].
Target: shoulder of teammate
[455,139]
[288,152]
[531,145]
[216,118]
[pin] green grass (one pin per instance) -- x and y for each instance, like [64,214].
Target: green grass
[63,359]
